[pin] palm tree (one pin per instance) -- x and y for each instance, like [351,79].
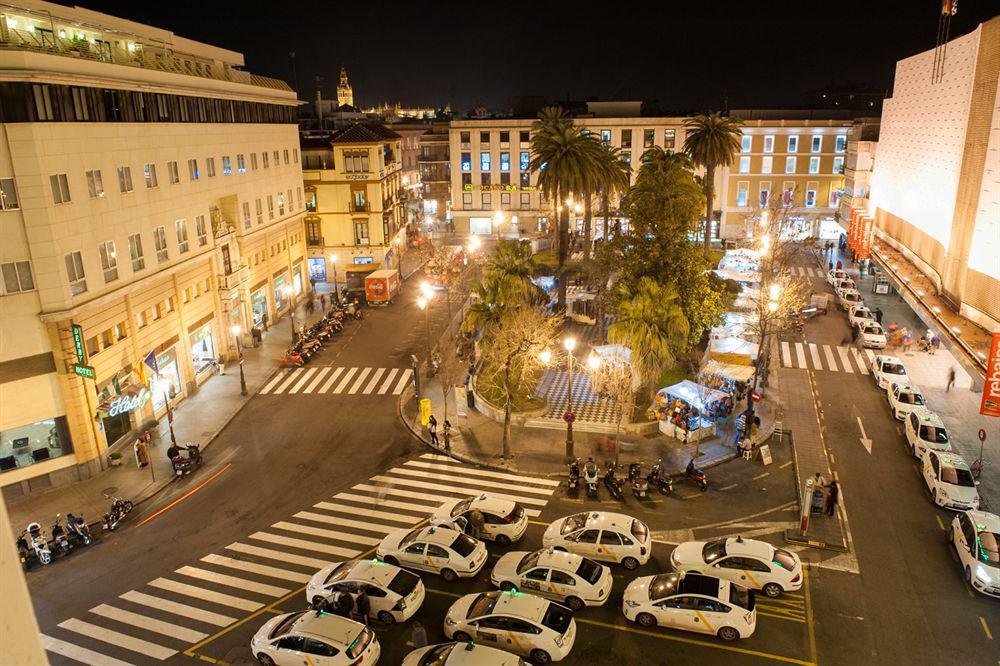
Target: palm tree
[492,299]
[616,177]
[513,262]
[712,141]
[650,323]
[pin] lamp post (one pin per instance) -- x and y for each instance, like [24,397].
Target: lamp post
[288,292]
[237,331]
[570,345]
[336,290]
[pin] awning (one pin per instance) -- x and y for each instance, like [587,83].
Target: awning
[735,325]
[736,351]
[736,373]
[691,393]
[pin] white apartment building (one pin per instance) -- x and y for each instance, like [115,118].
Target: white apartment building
[151,199]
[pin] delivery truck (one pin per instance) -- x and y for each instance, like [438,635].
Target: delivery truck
[381,287]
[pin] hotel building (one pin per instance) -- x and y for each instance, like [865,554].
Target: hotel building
[151,200]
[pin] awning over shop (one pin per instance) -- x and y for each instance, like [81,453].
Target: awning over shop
[736,373]
[735,325]
[735,351]
[693,394]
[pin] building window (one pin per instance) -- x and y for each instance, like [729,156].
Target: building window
[182,235]
[246,214]
[295,155]
[464,137]
[835,197]
[227,166]
[525,137]
[93,346]
[744,165]
[95,184]
[505,178]
[270,207]
[286,155]
[838,164]
[793,144]
[813,165]
[74,271]
[281,204]
[669,138]
[8,194]
[505,161]
[626,156]
[484,137]
[811,195]
[484,162]
[466,181]
[766,164]
[769,143]
[200,230]
[241,164]
[525,179]
[260,211]
[193,172]
[505,199]
[264,156]
[160,243]
[486,199]
[60,188]
[467,199]
[135,252]
[17,277]
[149,173]
[43,102]
[745,143]
[504,137]
[789,165]
[765,194]
[253,161]
[172,173]
[647,138]
[466,161]
[525,200]
[210,166]
[817,143]
[841,143]
[606,137]
[298,197]
[787,193]
[81,109]
[109,260]
[486,179]
[124,179]
[626,138]
[742,188]
[276,162]
[525,160]
[361,233]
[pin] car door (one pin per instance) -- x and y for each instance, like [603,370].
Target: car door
[492,631]
[610,545]
[682,613]
[535,580]
[435,557]
[413,556]
[931,468]
[491,524]
[564,585]
[966,539]
[911,429]
[710,615]
[522,636]
[585,543]
[729,568]
[319,653]
[288,651]
[755,573]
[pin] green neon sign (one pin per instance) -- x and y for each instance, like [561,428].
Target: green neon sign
[81,351]
[84,370]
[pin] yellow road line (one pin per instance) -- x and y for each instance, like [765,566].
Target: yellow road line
[940,524]
[790,618]
[761,476]
[785,465]
[809,614]
[687,497]
[535,522]
[982,621]
[443,593]
[835,477]
[833,459]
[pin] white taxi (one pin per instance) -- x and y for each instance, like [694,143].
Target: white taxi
[976,535]
[924,430]
[395,594]
[461,654]
[860,314]
[541,630]
[571,579]
[751,563]
[847,284]
[849,298]
[436,549]
[888,370]
[504,521]
[314,637]
[903,399]
[950,481]
[835,276]
[691,602]
[871,335]
[600,535]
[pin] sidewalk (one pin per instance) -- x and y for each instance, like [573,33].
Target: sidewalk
[197,420]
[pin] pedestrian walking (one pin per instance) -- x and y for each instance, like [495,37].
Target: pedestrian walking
[255,336]
[363,605]
[322,302]
[819,483]
[447,435]
[840,265]
[222,364]
[419,635]
[263,320]
[951,378]
[477,520]
[830,264]
[432,428]
[831,498]
[343,604]
[878,315]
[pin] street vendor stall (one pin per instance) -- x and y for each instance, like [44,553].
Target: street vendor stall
[612,358]
[682,410]
[581,305]
[741,259]
[748,300]
[734,351]
[729,378]
[735,325]
[746,279]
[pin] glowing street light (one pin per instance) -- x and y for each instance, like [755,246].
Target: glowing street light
[594,361]
[545,356]
[775,291]
[236,331]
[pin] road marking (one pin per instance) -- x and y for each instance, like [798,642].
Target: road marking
[80,654]
[830,361]
[262,569]
[440,499]
[369,513]
[148,623]
[403,381]
[784,465]
[871,356]
[333,377]
[940,524]
[388,381]
[274,380]
[295,374]
[694,496]
[406,472]
[360,380]
[844,359]
[786,355]
[809,614]
[278,555]
[800,354]
[761,476]
[303,544]
[986,628]
[183,610]
[833,459]
[729,487]
[325,533]
[115,638]
[454,489]
[346,522]
[183,497]
[393,504]
[374,380]
[305,377]
[483,472]
[862,366]
[315,382]
[205,595]
[865,442]
[346,380]
[814,353]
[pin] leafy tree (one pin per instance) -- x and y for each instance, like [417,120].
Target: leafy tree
[492,297]
[712,141]
[616,175]
[666,198]
[513,263]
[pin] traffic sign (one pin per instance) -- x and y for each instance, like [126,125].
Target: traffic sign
[982,435]
[569,417]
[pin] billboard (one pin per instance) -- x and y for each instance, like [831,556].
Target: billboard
[990,406]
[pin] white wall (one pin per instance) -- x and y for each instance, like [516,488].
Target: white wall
[984,254]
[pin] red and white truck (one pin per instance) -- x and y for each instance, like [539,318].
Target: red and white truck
[381,287]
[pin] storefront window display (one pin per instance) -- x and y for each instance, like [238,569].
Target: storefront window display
[165,384]
[317,269]
[34,442]
[297,282]
[202,349]
[280,300]
[258,303]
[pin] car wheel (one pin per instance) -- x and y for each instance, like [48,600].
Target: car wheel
[507,586]
[630,563]
[264,659]
[646,620]
[449,575]
[389,559]
[502,540]
[772,590]
[540,657]
[728,634]
[575,604]
[461,637]
[385,617]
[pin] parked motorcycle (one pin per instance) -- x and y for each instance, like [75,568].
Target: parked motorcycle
[60,541]
[187,464]
[573,483]
[640,487]
[658,479]
[23,550]
[119,509]
[39,544]
[697,476]
[613,484]
[78,529]
[590,477]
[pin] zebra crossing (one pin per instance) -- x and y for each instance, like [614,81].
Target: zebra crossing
[173,612]
[850,360]
[807,271]
[319,380]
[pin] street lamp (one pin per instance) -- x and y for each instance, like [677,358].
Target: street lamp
[336,291]
[570,345]
[288,292]
[239,358]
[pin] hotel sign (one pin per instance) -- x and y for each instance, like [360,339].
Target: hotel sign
[81,351]
[127,403]
[83,370]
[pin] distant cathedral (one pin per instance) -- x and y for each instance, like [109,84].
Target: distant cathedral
[345,95]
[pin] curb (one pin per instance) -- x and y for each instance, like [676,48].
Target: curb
[802,541]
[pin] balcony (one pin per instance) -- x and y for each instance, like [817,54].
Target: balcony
[239,277]
[362,207]
[315,241]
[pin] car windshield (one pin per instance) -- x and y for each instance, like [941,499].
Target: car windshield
[359,644]
[438,656]
[893,369]
[784,559]
[557,618]
[404,583]
[527,562]
[589,570]
[640,531]
[573,523]
[873,330]
[957,476]
[989,548]
[662,586]
[461,507]
[339,572]
[911,398]
[713,550]
[463,545]
[286,624]
[934,434]
[408,539]
[483,605]
[741,596]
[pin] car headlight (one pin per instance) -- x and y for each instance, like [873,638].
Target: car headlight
[942,493]
[631,604]
[981,573]
[401,604]
[559,641]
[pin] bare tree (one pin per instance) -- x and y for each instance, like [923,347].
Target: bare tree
[616,378]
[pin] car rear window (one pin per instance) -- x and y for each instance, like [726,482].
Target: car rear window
[784,559]
[893,369]
[930,433]
[461,507]
[957,477]
[573,523]
[408,539]
[911,398]
[639,531]
[527,562]
[989,548]
[286,624]
[463,545]
[589,570]
[404,583]
[438,656]
[713,550]
[359,644]
[516,513]
[483,604]
[557,618]
[741,596]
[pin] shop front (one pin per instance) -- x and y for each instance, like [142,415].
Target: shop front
[280,298]
[165,384]
[32,443]
[121,413]
[481,226]
[297,278]
[203,350]
[258,305]
[317,269]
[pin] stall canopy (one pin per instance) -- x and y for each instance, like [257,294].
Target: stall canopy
[735,351]
[745,278]
[736,373]
[734,325]
[741,259]
[691,393]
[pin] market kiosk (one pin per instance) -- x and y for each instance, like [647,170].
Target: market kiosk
[682,410]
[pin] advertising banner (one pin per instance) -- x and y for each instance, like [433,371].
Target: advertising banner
[864,247]
[990,406]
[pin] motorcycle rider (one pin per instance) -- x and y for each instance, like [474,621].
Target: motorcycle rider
[174,452]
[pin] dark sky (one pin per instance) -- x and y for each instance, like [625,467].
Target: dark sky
[688,55]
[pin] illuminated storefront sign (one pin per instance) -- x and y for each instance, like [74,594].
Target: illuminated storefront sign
[127,403]
[81,352]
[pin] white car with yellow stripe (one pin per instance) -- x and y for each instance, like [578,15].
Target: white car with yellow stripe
[754,564]
[976,536]
[394,594]
[571,579]
[603,536]
[903,399]
[925,431]
[461,654]
[440,550]
[950,481]
[504,521]
[541,630]
[691,602]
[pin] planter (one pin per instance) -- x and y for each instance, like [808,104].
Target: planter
[114,459]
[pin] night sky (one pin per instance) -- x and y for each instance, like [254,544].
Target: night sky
[687,55]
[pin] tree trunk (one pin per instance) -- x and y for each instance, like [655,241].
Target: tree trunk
[505,442]
[561,257]
[709,195]
[588,220]
[605,204]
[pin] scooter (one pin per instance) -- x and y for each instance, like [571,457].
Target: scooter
[573,483]
[697,476]
[186,465]
[640,487]
[659,480]
[613,484]
[590,477]
[60,542]
[78,529]
[23,550]
[38,543]
[119,509]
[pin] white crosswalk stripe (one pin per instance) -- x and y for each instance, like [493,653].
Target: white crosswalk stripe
[403,381]
[484,472]
[345,381]
[217,619]
[302,381]
[303,544]
[205,595]
[117,638]
[374,380]
[325,380]
[388,381]
[274,380]
[232,581]
[292,376]
[360,380]
[263,570]
[278,555]
[862,366]
[148,623]
[370,513]
[406,472]
[333,378]
[786,355]
[316,380]
[345,522]
[346,537]
[80,654]
[831,358]
[453,489]
[844,362]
